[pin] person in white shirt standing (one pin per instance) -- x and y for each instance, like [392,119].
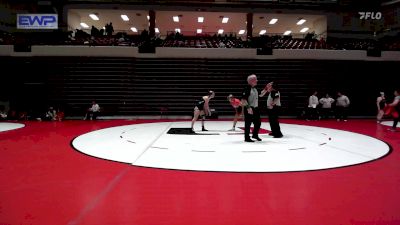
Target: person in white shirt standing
[342,106]
[93,111]
[312,106]
[326,108]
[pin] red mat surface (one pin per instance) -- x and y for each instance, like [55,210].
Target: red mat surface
[44,181]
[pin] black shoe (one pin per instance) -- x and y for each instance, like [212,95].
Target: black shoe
[271,134]
[257,138]
[248,140]
[278,136]
[204,129]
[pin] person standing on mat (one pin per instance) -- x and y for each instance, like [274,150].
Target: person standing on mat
[380,104]
[237,105]
[202,109]
[273,106]
[251,111]
[396,107]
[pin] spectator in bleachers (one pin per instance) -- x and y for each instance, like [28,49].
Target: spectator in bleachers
[310,36]
[202,109]
[80,34]
[237,105]
[121,39]
[92,112]
[70,37]
[101,32]
[92,41]
[326,106]
[380,104]
[94,32]
[342,106]
[144,35]
[109,29]
[178,36]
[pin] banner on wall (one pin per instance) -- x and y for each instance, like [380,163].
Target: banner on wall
[37,21]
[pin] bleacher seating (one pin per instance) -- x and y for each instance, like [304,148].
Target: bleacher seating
[201,41]
[162,86]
